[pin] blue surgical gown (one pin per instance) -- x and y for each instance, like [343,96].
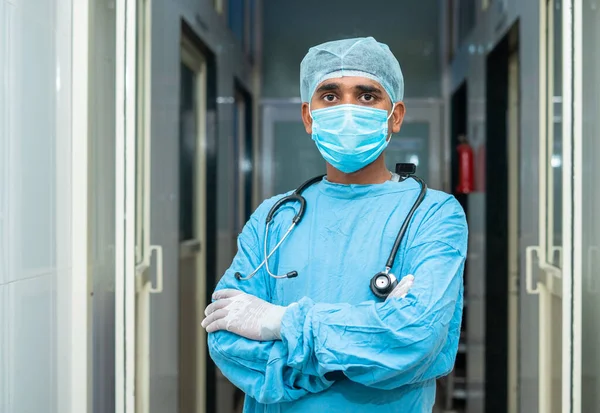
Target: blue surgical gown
[389,352]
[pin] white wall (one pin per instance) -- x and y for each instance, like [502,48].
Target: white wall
[36,194]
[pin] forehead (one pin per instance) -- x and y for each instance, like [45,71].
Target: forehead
[351,82]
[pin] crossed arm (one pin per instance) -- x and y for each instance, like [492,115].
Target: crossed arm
[315,339]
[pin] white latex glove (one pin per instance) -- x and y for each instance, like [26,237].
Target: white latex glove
[245,315]
[402,288]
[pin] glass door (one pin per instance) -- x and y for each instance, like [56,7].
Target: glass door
[133,252]
[125,257]
[554,263]
[586,332]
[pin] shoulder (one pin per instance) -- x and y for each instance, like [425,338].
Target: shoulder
[442,204]
[436,204]
[266,205]
[253,229]
[442,218]
[259,215]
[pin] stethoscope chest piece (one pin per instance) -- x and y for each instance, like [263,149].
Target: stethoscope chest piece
[383,283]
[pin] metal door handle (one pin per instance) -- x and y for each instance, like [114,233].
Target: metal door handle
[591,283]
[558,249]
[192,245]
[529,270]
[159,268]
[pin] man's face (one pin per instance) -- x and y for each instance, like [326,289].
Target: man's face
[356,91]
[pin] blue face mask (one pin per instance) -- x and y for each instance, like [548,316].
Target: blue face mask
[350,137]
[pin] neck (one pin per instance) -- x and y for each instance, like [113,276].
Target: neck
[374,173]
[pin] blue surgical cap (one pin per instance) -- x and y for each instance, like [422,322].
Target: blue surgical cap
[364,57]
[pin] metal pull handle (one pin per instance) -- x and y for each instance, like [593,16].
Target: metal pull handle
[159,268]
[189,247]
[529,269]
[559,250]
[591,282]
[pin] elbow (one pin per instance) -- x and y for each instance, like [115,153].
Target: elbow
[430,359]
[440,357]
[216,353]
[214,347]
[445,362]
[243,363]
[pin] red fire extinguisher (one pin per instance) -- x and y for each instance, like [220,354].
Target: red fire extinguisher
[466,168]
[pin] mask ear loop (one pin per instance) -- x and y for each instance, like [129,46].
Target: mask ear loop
[389,138]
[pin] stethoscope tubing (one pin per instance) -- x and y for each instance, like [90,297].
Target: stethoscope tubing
[296,196]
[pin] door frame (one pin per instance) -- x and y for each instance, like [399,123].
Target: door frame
[551,280]
[577,327]
[513,141]
[288,110]
[244,165]
[77,308]
[125,190]
[195,60]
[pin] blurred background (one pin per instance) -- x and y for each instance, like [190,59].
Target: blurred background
[137,136]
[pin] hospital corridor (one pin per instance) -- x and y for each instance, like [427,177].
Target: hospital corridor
[227,206]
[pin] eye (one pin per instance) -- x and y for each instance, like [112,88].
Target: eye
[368,98]
[329,98]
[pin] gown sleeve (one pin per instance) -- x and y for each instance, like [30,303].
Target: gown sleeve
[259,369]
[400,341]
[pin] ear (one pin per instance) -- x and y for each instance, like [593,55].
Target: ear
[306,119]
[397,116]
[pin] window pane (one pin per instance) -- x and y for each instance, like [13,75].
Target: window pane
[467,9]
[590,206]
[410,146]
[295,156]
[250,40]
[554,131]
[551,304]
[238,148]
[187,153]
[237,19]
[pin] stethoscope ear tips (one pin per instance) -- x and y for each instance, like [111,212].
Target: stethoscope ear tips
[292,274]
[238,276]
[382,284]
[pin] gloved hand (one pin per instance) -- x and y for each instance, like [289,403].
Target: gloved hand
[245,315]
[402,288]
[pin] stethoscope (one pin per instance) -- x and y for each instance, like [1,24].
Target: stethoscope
[383,282]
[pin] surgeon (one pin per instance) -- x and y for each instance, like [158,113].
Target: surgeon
[322,341]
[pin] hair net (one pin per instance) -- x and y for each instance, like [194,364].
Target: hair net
[364,57]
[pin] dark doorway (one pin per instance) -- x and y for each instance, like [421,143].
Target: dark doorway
[497,223]
[454,388]
[459,122]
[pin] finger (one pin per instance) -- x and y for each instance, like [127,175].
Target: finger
[226,293]
[403,287]
[217,305]
[407,280]
[220,324]
[215,316]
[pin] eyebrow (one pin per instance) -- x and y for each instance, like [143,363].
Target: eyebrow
[367,89]
[328,87]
